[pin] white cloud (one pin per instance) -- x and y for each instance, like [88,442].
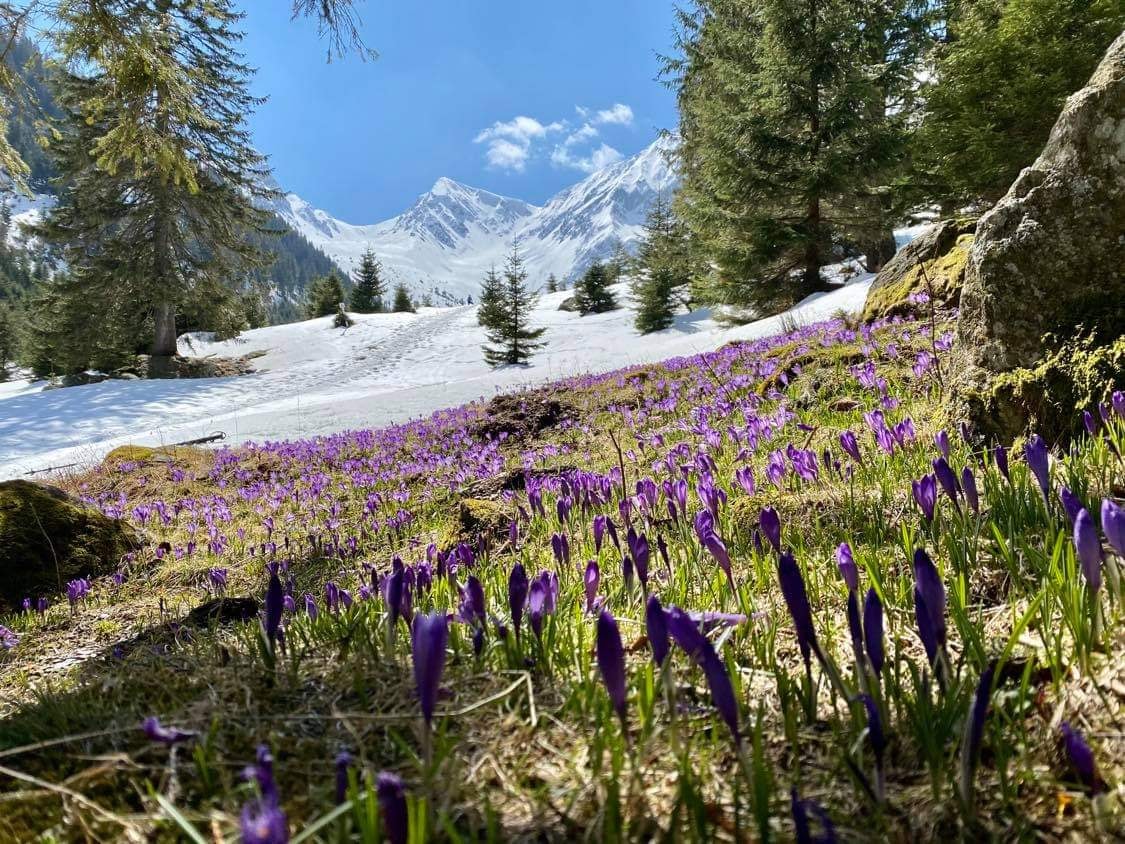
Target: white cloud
[581,135]
[509,145]
[620,114]
[603,156]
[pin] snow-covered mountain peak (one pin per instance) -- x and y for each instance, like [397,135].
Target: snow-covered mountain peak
[446,240]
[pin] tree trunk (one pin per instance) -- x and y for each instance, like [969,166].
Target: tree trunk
[164,336]
[879,251]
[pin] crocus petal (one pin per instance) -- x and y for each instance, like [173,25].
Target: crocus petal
[1089,549]
[430,633]
[611,663]
[1035,453]
[392,807]
[656,627]
[797,599]
[1113,526]
[846,563]
[770,523]
[1081,758]
[873,630]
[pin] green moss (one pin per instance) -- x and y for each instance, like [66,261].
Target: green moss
[144,453]
[476,518]
[946,274]
[1076,376]
[48,538]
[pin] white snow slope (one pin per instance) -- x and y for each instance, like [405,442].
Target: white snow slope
[314,379]
[452,234]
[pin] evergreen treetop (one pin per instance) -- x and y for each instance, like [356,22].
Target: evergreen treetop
[512,340]
[368,287]
[592,294]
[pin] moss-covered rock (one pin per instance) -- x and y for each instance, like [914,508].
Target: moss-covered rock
[933,263]
[146,454]
[48,537]
[477,518]
[1076,375]
[1048,264]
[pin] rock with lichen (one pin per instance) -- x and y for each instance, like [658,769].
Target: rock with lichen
[48,538]
[932,264]
[1048,261]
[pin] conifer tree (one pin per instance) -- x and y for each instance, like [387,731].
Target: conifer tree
[619,263]
[592,294]
[490,308]
[324,296]
[369,288]
[402,303]
[786,139]
[159,178]
[7,341]
[1000,82]
[508,330]
[663,269]
[552,284]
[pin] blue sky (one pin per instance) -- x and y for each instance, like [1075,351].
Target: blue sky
[521,97]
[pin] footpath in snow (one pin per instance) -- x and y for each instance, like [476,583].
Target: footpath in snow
[314,379]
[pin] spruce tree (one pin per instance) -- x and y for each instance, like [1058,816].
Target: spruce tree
[998,87]
[512,340]
[592,294]
[324,297]
[552,284]
[490,306]
[786,139]
[369,288]
[159,178]
[402,303]
[663,269]
[7,341]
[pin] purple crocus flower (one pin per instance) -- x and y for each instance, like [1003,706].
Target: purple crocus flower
[802,829]
[685,632]
[640,551]
[873,630]
[797,600]
[1113,526]
[263,822]
[878,741]
[155,731]
[718,549]
[850,445]
[517,595]
[770,523]
[591,579]
[848,569]
[1118,400]
[1081,758]
[1070,502]
[656,627]
[599,532]
[1039,462]
[430,633]
[925,495]
[974,733]
[537,606]
[941,440]
[275,602]
[343,763]
[969,486]
[560,546]
[1000,458]
[8,638]
[392,807]
[946,478]
[1089,549]
[929,604]
[611,663]
[1089,422]
[310,607]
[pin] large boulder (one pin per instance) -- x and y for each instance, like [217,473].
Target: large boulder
[48,538]
[933,263]
[1048,262]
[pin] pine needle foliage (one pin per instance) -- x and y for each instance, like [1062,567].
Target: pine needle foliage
[368,286]
[160,185]
[511,339]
